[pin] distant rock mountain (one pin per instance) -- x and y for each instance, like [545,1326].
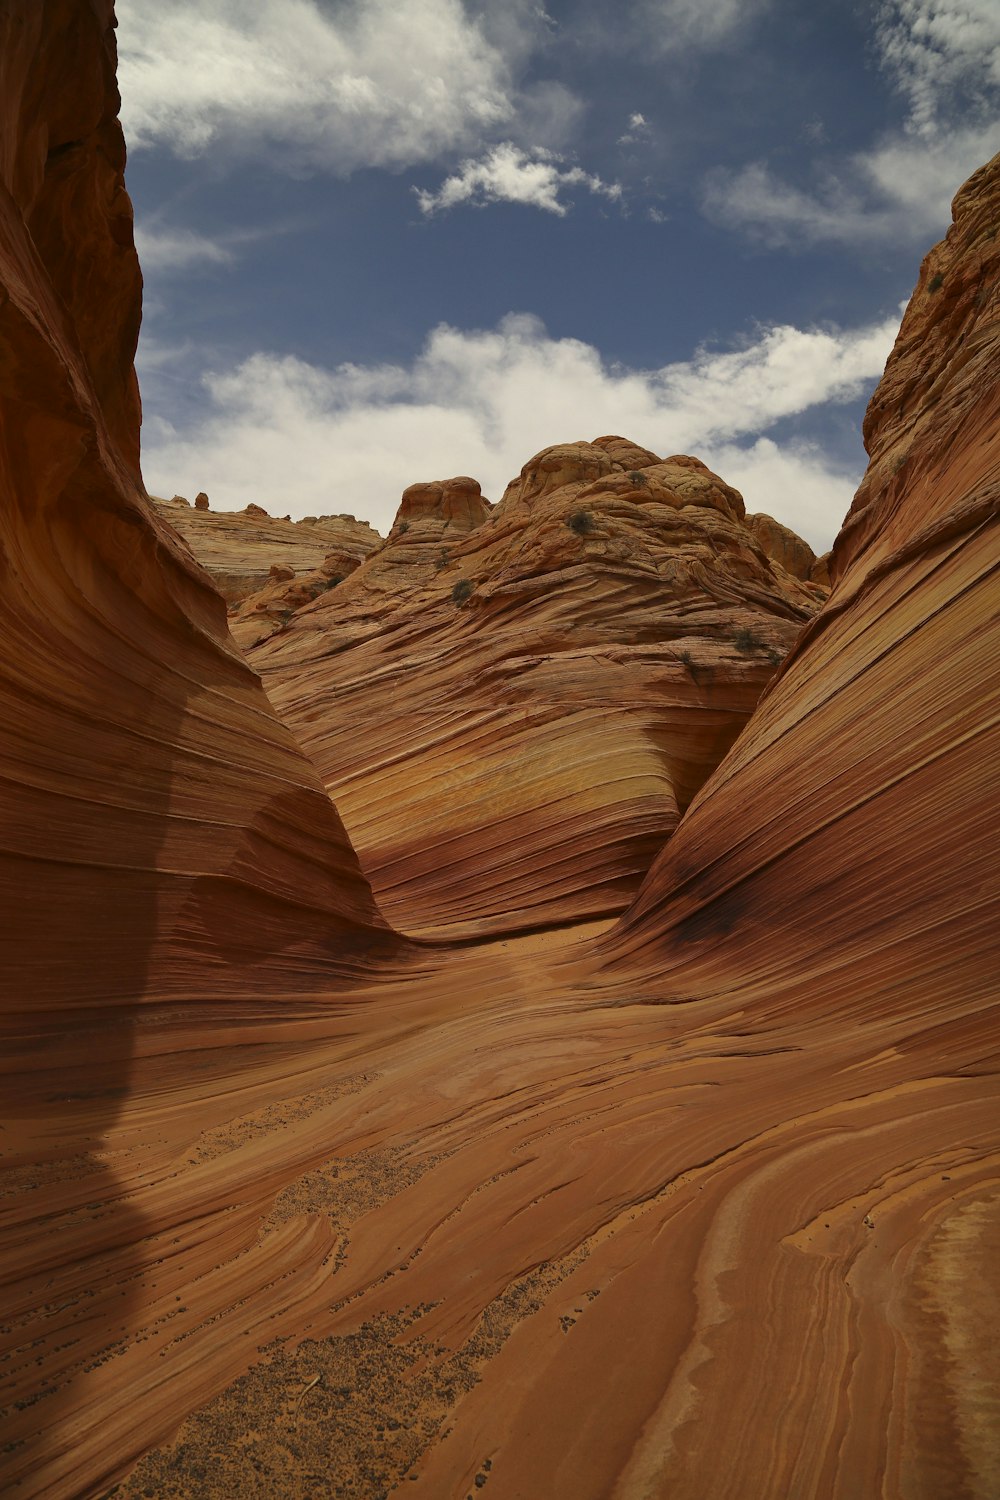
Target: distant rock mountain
[241,550]
[513,706]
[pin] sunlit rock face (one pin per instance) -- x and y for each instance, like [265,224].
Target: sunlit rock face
[161,829]
[783,546]
[512,706]
[240,549]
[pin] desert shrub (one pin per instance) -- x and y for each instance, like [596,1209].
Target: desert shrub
[580,521]
[403,526]
[936,283]
[463,588]
[639,479]
[747,641]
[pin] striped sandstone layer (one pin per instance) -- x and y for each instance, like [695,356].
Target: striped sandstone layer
[512,707]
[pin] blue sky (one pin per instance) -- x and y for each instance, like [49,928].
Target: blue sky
[395,240]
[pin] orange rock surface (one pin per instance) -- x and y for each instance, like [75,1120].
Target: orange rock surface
[542,687]
[238,549]
[702,1204]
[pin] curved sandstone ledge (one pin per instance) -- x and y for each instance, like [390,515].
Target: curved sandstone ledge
[512,706]
[588,1237]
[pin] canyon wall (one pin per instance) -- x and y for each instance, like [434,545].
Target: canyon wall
[159,823]
[778,1138]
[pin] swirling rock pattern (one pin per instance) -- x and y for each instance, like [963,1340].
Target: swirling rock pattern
[706,1203]
[544,686]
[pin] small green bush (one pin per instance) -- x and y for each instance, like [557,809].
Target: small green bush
[580,521]
[403,526]
[936,283]
[639,479]
[463,588]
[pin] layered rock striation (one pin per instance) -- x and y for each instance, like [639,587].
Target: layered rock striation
[157,817]
[542,686]
[706,1207]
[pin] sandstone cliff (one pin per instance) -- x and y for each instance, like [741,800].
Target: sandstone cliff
[543,686]
[156,813]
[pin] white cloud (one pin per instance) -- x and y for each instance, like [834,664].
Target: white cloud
[683,25]
[941,55]
[506,174]
[365,83]
[171,250]
[796,482]
[300,439]
[899,192]
[638,130]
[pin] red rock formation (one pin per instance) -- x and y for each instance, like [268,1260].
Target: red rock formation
[156,814]
[708,1210]
[239,549]
[543,687]
[716,1213]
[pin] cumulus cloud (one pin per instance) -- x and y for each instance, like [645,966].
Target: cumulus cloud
[366,83]
[506,174]
[301,439]
[796,482]
[638,130]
